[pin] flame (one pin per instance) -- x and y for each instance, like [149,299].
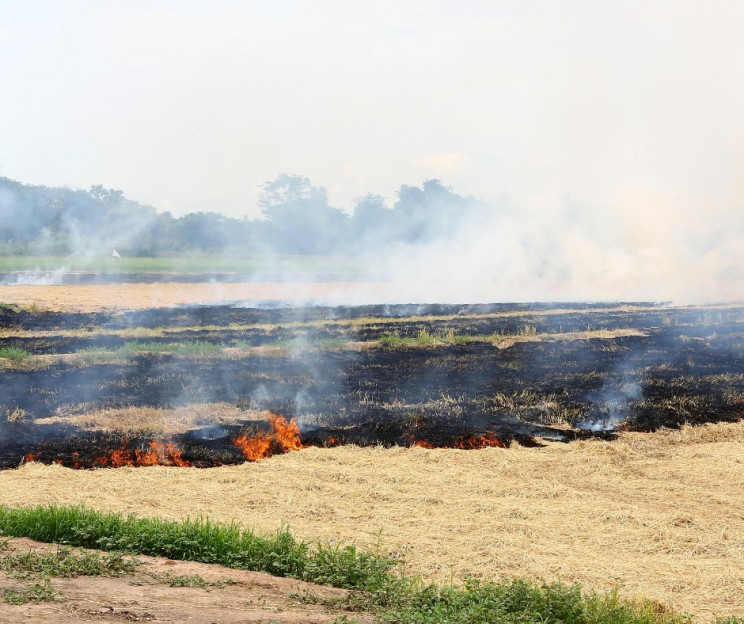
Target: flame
[422,444]
[282,437]
[160,454]
[470,442]
[30,457]
[477,442]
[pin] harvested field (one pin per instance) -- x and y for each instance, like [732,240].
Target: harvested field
[555,397]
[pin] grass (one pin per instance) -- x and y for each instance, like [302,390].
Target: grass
[14,354]
[197,540]
[40,567]
[424,338]
[37,592]
[376,584]
[66,563]
[195,264]
[186,347]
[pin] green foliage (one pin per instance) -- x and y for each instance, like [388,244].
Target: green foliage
[66,563]
[375,586]
[14,354]
[194,540]
[186,580]
[519,602]
[425,338]
[38,592]
[186,347]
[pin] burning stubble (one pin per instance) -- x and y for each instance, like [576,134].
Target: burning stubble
[433,376]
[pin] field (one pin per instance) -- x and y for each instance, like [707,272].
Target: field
[607,438]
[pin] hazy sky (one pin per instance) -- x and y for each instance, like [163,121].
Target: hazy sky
[187,105]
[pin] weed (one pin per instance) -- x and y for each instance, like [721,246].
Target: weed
[31,308]
[16,415]
[376,588]
[38,592]
[67,563]
[197,540]
[194,580]
[186,347]
[14,354]
[186,580]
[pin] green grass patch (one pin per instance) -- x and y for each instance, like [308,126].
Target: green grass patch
[66,563]
[37,592]
[376,584]
[426,338]
[14,354]
[198,540]
[521,602]
[185,347]
[192,264]
[40,566]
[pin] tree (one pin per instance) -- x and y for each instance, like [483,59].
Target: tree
[288,188]
[299,219]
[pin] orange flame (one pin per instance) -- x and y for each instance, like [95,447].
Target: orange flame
[470,442]
[477,442]
[422,444]
[160,454]
[283,437]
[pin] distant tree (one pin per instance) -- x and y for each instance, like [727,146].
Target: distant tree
[106,196]
[288,188]
[299,219]
[433,210]
[372,225]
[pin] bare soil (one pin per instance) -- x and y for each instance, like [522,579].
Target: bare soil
[229,597]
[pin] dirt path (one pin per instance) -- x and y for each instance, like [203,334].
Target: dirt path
[230,596]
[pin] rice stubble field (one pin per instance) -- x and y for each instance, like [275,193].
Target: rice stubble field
[657,515]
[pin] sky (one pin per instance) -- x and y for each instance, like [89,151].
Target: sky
[624,115]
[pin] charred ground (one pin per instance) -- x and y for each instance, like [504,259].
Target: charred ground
[454,376]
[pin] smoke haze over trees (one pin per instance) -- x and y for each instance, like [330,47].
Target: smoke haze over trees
[297,219]
[432,243]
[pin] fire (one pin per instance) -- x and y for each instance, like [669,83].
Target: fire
[470,442]
[422,444]
[282,437]
[412,441]
[477,442]
[160,454]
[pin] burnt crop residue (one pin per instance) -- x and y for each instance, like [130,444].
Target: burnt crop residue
[432,376]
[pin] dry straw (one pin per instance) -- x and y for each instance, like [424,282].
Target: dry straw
[659,515]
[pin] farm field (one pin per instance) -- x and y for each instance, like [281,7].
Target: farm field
[607,438]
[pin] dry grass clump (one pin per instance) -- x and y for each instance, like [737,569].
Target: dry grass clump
[688,434]
[155,421]
[655,515]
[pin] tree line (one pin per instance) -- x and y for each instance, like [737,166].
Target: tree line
[296,219]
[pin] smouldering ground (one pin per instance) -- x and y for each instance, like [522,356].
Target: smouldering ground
[655,515]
